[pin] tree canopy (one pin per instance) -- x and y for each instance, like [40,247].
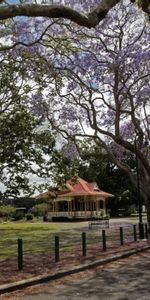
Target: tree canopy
[98,85]
[85,82]
[110,179]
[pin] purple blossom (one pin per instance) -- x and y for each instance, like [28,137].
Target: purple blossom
[70,150]
[127,130]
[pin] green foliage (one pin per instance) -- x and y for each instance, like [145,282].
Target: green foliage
[21,148]
[7,211]
[41,208]
[26,202]
[110,179]
[18,216]
[29,216]
[144,4]
[27,145]
[64,168]
[24,140]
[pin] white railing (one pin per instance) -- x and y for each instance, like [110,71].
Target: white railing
[76,214]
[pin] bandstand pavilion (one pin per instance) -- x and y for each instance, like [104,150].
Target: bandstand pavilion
[80,200]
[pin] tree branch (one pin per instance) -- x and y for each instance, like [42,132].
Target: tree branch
[59,11]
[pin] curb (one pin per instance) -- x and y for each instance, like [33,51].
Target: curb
[6,288]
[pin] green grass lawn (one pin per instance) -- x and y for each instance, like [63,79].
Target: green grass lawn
[36,236]
[39,237]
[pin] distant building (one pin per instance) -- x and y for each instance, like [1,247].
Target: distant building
[80,200]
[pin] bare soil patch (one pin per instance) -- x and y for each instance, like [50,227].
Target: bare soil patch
[44,263]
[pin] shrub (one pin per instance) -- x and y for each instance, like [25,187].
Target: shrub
[41,209]
[7,211]
[29,217]
[45,218]
[17,217]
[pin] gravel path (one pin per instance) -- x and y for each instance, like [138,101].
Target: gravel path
[125,279]
[115,281]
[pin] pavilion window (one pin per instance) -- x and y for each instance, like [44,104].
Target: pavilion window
[63,206]
[76,205]
[83,206]
[94,206]
[101,204]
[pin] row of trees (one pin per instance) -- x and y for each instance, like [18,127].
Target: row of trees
[9,212]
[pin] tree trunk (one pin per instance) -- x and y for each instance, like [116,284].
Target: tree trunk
[147,205]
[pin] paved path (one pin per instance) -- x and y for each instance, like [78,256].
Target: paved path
[126,279]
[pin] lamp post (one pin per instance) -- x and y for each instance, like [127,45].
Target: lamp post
[141,228]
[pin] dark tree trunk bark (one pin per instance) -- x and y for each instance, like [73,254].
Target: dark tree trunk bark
[147,205]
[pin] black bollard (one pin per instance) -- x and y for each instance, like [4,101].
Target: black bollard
[104,240]
[56,248]
[83,243]
[20,254]
[121,236]
[134,233]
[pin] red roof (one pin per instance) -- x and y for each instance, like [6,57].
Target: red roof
[46,195]
[78,188]
[82,187]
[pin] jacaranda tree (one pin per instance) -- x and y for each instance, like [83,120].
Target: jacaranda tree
[91,83]
[95,84]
